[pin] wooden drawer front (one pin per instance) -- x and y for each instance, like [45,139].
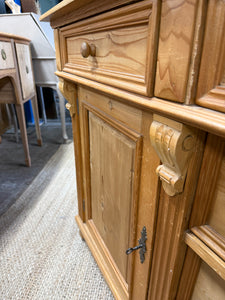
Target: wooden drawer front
[6,56]
[175,47]
[122,41]
[25,69]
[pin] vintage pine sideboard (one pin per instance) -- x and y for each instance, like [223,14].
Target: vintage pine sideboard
[145,84]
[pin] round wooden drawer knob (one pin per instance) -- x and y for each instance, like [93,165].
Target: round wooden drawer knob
[87,49]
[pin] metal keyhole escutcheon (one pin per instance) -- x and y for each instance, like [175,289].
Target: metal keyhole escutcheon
[141,246]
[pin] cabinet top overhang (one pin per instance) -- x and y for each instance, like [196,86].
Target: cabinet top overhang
[69,11]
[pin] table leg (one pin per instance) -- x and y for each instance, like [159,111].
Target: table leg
[23,130]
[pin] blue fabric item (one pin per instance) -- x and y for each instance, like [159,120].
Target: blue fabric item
[17,2]
[29,113]
[2,7]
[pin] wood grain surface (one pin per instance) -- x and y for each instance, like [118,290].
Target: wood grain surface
[172,221]
[111,161]
[125,42]
[175,46]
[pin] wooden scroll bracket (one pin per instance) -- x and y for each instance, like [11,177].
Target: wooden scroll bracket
[68,90]
[174,144]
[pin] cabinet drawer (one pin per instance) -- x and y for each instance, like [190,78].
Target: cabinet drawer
[25,69]
[120,46]
[6,56]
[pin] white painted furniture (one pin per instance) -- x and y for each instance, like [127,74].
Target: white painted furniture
[42,51]
[17,82]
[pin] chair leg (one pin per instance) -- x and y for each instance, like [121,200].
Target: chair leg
[41,97]
[36,119]
[62,114]
[23,130]
[13,113]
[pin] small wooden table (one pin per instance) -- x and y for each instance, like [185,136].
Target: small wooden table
[17,82]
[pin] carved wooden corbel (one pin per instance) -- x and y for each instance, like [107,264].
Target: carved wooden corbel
[68,89]
[174,143]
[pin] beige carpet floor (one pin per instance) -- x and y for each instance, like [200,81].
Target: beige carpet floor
[41,253]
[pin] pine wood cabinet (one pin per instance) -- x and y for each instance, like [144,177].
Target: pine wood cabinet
[144,82]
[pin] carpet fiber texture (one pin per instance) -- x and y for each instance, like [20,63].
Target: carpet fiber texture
[41,253]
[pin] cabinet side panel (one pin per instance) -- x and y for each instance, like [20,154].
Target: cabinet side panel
[208,283]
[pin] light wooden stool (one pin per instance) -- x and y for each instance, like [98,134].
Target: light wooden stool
[17,83]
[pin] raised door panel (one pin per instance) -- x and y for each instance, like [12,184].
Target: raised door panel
[25,69]
[112,157]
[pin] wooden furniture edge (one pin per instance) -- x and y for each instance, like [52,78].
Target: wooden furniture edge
[51,12]
[206,254]
[69,91]
[193,115]
[56,15]
[211,238]
[107,270]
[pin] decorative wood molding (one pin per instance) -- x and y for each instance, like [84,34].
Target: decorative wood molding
[200,117]
[174,143]
[68,90]
[172,222]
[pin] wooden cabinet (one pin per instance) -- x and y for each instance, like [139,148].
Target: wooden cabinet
[149,154]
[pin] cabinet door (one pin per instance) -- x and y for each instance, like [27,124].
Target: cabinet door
[203,275]
[112,154]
